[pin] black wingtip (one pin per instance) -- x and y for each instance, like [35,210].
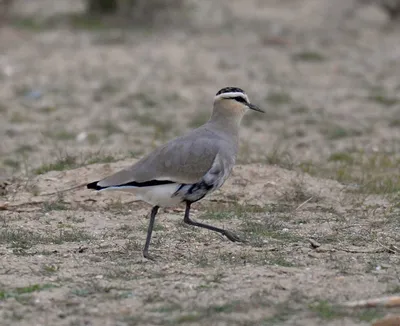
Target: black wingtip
[94,186]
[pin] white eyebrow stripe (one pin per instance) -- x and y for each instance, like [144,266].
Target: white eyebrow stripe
[231,95]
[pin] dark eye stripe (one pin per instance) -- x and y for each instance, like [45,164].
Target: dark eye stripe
[240,99]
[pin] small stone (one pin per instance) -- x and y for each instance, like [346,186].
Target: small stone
[81,136]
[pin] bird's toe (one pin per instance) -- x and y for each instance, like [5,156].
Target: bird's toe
[233,237]
[148,257]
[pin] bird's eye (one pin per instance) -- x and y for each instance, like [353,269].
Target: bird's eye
[240,99]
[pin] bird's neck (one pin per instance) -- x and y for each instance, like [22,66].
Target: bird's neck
[229,125]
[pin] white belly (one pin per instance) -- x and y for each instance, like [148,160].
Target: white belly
[155,195]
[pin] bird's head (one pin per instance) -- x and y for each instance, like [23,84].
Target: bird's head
[233,102]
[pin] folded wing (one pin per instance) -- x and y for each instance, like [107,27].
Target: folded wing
[183,160]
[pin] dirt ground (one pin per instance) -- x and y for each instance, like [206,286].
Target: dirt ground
[315,192]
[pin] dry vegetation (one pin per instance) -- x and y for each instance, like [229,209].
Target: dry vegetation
[315,194]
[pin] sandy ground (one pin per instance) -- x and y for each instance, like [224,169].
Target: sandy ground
[315,193]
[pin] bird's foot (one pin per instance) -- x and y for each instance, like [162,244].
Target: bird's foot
[233,237]
[147,256]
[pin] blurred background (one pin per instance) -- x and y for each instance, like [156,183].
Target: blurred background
[99,81]
[88,81]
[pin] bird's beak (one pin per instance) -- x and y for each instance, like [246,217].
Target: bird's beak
[254,107]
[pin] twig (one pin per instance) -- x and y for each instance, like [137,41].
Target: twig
[64,190]
[387,302]
[356,250]
[392,248]
[225,201]
[15,208]
[397,249]
[303,203]
[388,249]
[6,207]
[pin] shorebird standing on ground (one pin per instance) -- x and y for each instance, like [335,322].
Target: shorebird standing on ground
[189,167]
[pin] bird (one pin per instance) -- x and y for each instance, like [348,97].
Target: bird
[189,167]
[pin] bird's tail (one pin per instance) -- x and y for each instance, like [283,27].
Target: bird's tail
[94,185]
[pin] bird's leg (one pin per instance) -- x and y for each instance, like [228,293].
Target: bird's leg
[231,236]
[154,211]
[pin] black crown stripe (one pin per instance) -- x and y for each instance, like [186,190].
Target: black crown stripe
[230,90]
